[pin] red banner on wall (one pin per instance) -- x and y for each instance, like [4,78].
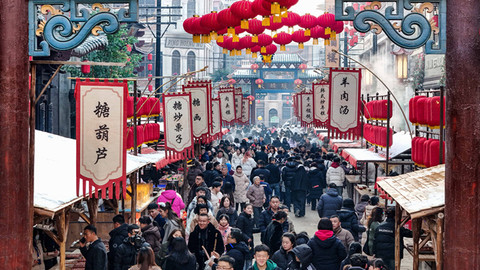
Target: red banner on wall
[321,99]
[345,103]
[101,137]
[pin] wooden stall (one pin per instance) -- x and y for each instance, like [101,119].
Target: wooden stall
[419,197]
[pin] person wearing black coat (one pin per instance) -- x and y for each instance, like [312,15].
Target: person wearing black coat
[236,249]
[289,175]
[348,218]
[259,171]
[261,155]
[126,255]
[117,235]
[317,181]
[96,253]
[274,232]
[328,251]
[302,258]
[283,257]
[299,187]
[245,223]
[384,244]
[329,203]
[205,235]
[179,257]
[210,174]
[274,176]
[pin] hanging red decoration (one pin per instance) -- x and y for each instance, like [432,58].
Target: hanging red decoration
[150,87]
[129,48]
[291,20]
[246,43]
[283,39]
[204,33]
[299,37]
[318,32]
[150,57]
[255,28]
[302,67]
[259,9]
[327,21]
[307,21]
[254,67]
[337,29]
[263,41]
[243,9]
[274,26]
[255,49]
[209,21]
[232,81]
[237,48]
[259,82]
[274,6]
[297,82]
[269,51]
[226,18]
[85,68]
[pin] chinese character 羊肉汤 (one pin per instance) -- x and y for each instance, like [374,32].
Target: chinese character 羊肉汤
[344,109]
[344,96]
[344,82]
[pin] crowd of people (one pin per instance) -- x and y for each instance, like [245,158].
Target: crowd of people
[243,188]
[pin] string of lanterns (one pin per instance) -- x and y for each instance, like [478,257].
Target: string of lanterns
[224,27]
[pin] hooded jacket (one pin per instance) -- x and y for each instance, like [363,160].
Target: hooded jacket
[335,174]
[241,185]
[295,177]
[317,181]
[349,218]
[239,252]
[329,203]
[282,258]
[174,199]
[327,251]
[304,254]
[152,236]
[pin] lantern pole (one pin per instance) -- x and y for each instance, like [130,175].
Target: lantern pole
[388,89]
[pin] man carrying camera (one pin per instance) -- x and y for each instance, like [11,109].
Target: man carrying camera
[126,254]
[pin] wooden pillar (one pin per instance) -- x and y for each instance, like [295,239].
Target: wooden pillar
[416,225]
[440,236]
[92,204]
[16,185]
[462,175]
[62,222]
[133,204]
[398,219]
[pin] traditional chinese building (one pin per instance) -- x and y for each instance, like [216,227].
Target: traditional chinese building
[273,97]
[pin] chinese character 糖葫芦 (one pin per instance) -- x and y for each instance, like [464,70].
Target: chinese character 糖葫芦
[102,133]
[101,154]
[102,110]
[344,109]
[177,116]
[196,102]
[177,105]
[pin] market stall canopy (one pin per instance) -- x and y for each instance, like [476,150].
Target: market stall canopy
[420,193]
[55,170]
[402,142]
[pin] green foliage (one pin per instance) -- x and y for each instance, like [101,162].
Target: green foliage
[220,75]
[115,51]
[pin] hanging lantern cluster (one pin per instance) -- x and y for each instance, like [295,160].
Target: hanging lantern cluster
[251,19]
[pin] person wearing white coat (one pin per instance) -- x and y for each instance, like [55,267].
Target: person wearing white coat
[248,163]
[336,175]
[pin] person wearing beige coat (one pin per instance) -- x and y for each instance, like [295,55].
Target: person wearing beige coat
[241,186]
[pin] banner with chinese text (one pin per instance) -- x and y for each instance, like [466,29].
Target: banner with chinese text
[227,106]
[321,98]
[216,130]
[345,103]
[245,111]
[101,137]
[200,109]
[238,104]
[177,119]
[307,109]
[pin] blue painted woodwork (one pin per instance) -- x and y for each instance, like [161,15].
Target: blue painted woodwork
[409,38]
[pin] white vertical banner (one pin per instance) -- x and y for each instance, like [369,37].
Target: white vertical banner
[216,118]
[245,110]
[238,106]
[227,106]
[307,109]
[178,124]
[321,98]
[200,96]
[345,101]
[101,136]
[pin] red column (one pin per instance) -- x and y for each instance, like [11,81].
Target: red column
[462,187]
[16,198]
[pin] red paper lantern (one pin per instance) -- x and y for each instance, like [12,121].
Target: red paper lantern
[291,20]
[254,67]
[421,111]
[274,26]
[255,28]
[318,32]
[433,110]
[255,50]
[200,31]
[327,21]
[259,9]
[299,37]
[243,9]
[129,107]
[232,81]
[297,82]
[140,135]
[189,28]
[307,21]
[282,39]
[270,49]
[149,66]
[263,41]
[150,57]
[150,87]
[259,82]
[209,21]
[226,18]
[302,67]
[246,43]
[85,68]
